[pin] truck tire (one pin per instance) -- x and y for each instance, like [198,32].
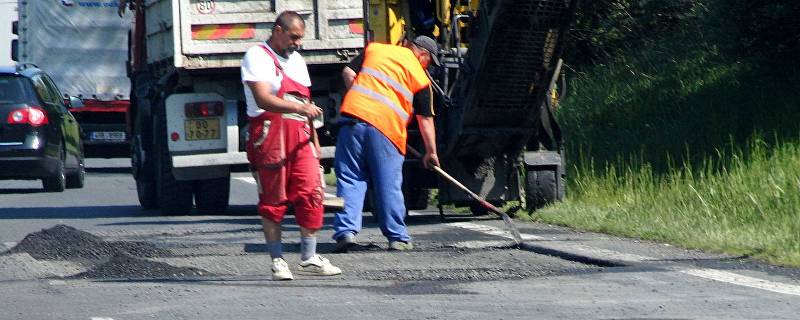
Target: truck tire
[75,180]
[143,172]
[211,196]
[57,182]
[174,196]
[146,192]
[541,187]
[142,165]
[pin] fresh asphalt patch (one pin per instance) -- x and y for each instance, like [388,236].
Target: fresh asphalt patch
[455,256]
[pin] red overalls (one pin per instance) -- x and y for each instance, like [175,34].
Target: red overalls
[284,161]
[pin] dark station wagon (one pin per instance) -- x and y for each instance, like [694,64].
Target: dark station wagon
[39,137]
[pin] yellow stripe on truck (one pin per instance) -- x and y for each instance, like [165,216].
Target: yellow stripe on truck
[237,31]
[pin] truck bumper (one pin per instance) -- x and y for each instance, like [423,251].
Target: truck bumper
[226,159]
[215,165]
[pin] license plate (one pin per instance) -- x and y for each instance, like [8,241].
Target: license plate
[107,135]
[202,129]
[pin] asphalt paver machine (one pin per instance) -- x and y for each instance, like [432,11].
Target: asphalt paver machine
[495,125]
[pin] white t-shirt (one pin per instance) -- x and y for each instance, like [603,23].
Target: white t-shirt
[257,66]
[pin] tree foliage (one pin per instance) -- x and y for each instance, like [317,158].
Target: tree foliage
[608,29]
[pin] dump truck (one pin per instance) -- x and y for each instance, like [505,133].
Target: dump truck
[188,109]
[83,46]
[496,131]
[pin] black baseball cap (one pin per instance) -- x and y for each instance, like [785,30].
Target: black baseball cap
[428,44]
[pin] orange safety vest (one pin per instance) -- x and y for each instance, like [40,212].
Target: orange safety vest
[383,92]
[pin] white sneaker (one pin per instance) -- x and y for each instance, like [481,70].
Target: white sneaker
[319,266]
[280,270]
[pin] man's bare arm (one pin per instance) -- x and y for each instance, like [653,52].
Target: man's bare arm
[270,102]
[349,76]
[428,132]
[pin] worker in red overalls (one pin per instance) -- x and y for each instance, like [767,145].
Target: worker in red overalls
[282,154]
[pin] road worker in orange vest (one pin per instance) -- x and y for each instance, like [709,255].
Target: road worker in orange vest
[387,88]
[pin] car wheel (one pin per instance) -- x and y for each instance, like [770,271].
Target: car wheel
[58,181]
[75,180]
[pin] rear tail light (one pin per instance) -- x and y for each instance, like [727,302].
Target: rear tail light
[203,109]
[34,116]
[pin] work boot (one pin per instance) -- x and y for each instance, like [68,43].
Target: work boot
[400,246]
[280,270]
[318,266]
[345,243]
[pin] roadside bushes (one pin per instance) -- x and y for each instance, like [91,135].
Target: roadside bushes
[756,28]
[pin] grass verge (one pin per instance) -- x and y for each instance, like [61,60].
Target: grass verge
[749,207]
[644,137]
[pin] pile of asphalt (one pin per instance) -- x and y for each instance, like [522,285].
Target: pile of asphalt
[126,266]
[110,259]
[63,242]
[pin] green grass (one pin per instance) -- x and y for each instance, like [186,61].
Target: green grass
[664,144]
[330,178]
[679,102]
[749,207]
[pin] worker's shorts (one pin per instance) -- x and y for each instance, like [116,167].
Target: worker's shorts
[295,181]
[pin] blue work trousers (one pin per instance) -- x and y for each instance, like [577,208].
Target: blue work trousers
[365,157]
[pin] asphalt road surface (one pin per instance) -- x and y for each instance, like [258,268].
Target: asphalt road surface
[101,257]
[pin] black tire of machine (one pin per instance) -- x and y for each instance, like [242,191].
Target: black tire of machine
[478,210]
[541,187]
[416,198]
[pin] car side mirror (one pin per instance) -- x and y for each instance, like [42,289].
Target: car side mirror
[75,102]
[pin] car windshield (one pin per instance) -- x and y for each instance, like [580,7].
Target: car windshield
[14,89]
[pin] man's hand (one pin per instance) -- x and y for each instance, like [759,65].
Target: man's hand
[309,110]
[430,160]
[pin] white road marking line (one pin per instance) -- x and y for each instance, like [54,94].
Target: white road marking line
[479,244]
[609,254]
[492,230]
[730,277]
[249,180]
[100,318]
[711,274]
[252,181]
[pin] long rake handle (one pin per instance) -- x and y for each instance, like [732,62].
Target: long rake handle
[509,223]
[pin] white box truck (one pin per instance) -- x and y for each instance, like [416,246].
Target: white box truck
[8,16]
[83,45]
